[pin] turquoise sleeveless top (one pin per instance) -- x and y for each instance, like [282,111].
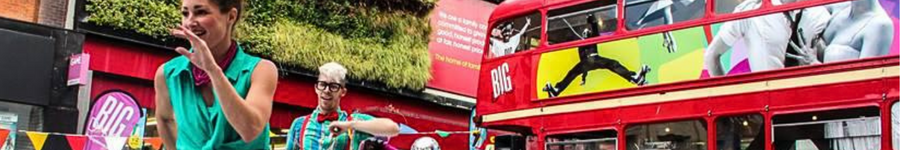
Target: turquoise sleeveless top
[206,128]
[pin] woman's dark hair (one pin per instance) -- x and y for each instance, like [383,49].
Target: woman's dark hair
[226,5]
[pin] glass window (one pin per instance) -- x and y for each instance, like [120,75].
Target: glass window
[680,135]
[515,35]
[895,125]
[849,129]
[596,140]
[581,21]
[735,6]
[781,2]
[740,133]
[14,116]
[641,14]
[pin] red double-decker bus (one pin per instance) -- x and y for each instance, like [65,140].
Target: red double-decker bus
[692,75]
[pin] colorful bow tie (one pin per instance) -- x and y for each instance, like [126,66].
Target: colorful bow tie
[330,117]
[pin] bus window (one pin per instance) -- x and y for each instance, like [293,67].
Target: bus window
[850,129]
[641,14]
[835,5]
[515,35]
[740,133]
[736,6]
[596,140]
[582,21]
[895,125]
[680,135]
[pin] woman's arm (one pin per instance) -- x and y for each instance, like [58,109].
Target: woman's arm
[248,116]
[711,58]
[165,120]
[875,42]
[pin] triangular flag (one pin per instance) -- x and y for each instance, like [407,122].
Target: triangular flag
[37,139]
[76,142]
[3,134]
[57,142]
[115,142]
[443,134]
[155,142]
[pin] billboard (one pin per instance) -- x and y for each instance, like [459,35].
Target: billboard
[456,44]
[809,36]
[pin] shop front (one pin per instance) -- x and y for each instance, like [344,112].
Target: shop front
[117,64]
[34,95]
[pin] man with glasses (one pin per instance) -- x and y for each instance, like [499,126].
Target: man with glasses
[329,127]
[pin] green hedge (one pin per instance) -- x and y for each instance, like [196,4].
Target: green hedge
[384,41]
[150,17]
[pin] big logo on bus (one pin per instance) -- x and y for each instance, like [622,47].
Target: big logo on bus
[500,80]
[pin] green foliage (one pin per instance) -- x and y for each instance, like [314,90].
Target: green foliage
[397,64]
[150,17]
[383,41]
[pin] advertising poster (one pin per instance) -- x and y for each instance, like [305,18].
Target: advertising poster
[809,36]
[456,44]
[112,119]
[8,121]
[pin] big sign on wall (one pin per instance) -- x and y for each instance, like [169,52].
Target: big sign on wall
[112,119]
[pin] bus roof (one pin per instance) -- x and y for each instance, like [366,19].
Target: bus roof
[511,8]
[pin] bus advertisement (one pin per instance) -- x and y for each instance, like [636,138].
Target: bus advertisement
[692,74]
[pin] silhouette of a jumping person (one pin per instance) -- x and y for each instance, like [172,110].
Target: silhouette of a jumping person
[591,60]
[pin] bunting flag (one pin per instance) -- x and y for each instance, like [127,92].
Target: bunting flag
[62,141]
[115,142]
[443,134]
[3,134]
[37,139]
[57,142]
[76,142]
[155,142]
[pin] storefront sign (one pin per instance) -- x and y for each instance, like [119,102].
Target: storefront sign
[78,68]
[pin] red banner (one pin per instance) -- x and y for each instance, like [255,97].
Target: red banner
[456,44]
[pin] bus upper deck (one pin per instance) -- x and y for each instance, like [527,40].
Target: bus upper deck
[556,69]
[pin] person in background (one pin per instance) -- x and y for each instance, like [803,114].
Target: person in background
[329,127]
[766,38]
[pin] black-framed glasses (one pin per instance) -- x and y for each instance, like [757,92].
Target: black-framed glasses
[331,87]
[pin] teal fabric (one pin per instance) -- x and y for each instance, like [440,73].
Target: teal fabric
[206,128]
[317,137]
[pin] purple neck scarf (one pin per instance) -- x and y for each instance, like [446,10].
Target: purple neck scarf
[200,76]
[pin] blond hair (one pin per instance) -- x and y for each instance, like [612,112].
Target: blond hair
[334,70]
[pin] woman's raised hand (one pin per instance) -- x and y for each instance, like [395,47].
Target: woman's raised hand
[201,56]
